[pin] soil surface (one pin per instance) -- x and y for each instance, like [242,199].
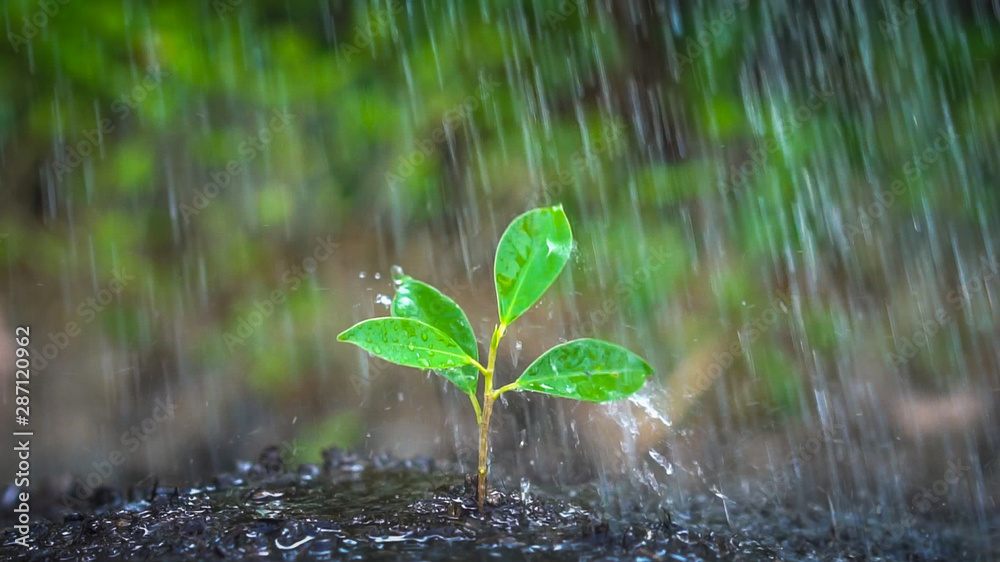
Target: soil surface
[383,508]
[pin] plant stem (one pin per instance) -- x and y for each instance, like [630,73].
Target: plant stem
[484,449]
[475,406]
[478,366]
[502,389]
[484,422]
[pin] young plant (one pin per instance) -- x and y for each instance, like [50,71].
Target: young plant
[428,330]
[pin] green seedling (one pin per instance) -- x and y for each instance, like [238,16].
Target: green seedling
[427,330]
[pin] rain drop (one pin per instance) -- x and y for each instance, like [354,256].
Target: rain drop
[396,272]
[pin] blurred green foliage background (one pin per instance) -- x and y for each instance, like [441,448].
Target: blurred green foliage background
[258,167]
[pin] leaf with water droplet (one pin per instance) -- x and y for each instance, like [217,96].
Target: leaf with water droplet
[397,274]
[420,301]
[586,369]
[531,254]
[401,341]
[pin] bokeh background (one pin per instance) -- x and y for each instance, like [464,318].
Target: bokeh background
[789,208]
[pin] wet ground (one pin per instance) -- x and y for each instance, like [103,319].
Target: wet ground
[350,508]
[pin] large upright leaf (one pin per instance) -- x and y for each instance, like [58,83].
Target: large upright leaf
[412,343]
[420,301]
[531,254]
[586,369]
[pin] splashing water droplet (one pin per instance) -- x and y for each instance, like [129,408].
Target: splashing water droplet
[397,274]
[383,300]
[378,275]
[518,345]
[662,461]
[647,403]
[362,275]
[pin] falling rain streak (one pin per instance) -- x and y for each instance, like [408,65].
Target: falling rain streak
[789,209]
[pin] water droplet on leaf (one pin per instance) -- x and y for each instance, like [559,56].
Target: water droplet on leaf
[397,274]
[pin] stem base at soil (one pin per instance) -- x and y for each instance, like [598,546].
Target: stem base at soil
[484,424]
[484,450]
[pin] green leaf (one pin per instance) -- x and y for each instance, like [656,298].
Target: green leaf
[420,301]
[586,369]
[531,254]
[409,342]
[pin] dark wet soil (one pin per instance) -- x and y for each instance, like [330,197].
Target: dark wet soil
[383,508]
